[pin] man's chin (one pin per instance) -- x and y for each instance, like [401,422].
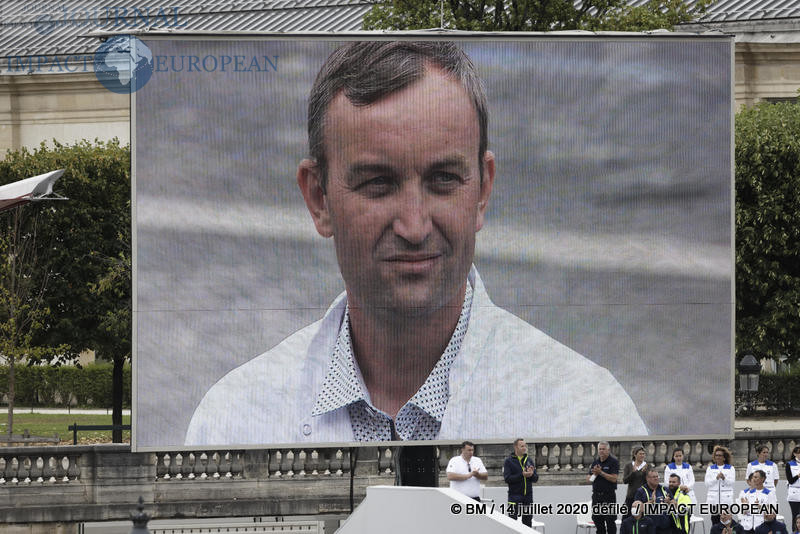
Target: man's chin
[409,296]
[412,308]
[412,304]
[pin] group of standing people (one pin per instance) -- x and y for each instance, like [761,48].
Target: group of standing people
[644,487]
[634,473]
[519,471]
[644,495]
[762,479]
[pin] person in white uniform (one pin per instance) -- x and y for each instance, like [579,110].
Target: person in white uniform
[684,470]
[757,494]
[720,479]
[466,471]
[743,498]
[765,464]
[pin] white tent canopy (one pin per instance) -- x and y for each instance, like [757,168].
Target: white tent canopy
[30,190]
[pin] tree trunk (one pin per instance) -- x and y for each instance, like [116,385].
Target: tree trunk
[11,358]
[11,393]
[117,389]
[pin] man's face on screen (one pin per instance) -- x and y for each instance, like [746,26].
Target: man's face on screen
[404,195]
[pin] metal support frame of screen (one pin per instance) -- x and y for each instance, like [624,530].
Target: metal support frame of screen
[609,230]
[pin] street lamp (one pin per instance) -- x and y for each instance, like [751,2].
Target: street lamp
[749,369]
[140,519]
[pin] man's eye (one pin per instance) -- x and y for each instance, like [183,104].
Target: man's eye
[376,186]
[444,180]
[444,177]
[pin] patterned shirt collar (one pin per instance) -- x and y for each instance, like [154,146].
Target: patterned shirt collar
[419,419]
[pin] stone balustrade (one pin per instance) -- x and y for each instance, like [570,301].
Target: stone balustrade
[103,482]
[42,466]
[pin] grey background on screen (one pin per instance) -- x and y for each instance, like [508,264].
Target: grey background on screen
[609,226]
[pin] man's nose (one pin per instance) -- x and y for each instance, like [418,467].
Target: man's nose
[412,219]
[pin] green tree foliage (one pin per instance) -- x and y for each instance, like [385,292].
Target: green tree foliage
[115,282]
[80,242]
[654,15]
[66,385]
[115,285]
[23,286]
[768,231]
[532,15]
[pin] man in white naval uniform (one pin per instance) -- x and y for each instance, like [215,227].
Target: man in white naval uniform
[757,495]
[400,177]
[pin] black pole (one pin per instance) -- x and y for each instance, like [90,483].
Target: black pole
[117,380]
[353,462]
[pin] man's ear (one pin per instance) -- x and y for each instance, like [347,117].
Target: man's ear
[309,181]
[486,187]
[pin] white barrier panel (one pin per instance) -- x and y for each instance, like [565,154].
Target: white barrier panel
[403,510]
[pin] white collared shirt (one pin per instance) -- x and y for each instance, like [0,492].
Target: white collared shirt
[686,473]
[418,419]
[720,490]
[764,496]
[472,486]
[509,379]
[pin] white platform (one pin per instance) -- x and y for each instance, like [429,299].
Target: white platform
[408,510]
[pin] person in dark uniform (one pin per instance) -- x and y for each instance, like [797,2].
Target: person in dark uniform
[636,522]
[727,525]
[519,472]
[653,493]
[793,476]
[603,475]
[771,526]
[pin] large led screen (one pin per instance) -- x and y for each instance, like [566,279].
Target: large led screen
[484,239]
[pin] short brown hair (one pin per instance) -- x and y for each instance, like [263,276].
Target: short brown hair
[367,71]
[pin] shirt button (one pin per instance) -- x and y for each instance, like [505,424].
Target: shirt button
[306,429]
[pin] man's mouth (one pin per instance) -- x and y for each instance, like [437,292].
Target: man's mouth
[413,258]
[413,262]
